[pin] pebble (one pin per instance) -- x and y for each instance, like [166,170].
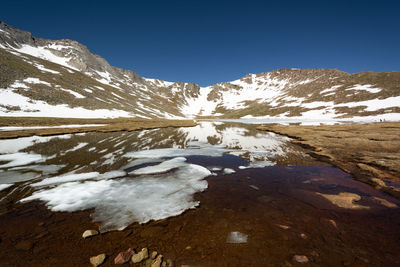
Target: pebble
[300,258]
[98,260]
[124,256]
[24,245]
[157,262]
[154,255]
[142,255]
[89,233]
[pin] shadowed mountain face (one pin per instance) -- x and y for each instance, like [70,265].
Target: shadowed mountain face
[62,78]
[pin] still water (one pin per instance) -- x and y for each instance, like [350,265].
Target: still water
[232,194]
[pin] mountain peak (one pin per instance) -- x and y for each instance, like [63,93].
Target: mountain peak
[42,77]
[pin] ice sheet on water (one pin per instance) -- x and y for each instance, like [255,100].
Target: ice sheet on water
[14,177]
[79,177]
[120,202]
[229,171]
[138,162]
[19,159]
[257,164]
[162,167]
[45,169]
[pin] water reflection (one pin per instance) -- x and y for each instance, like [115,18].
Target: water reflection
[147,175]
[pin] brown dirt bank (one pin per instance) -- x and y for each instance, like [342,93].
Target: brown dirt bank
[112,125]
[370,152]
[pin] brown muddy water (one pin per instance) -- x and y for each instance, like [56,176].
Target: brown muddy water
[218,194]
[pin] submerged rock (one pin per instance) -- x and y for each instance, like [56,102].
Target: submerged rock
[157,262]
[300,258]
[384,202]
[154,255]
[236,237]
[89,233]
[124,256]
[98,260]
[142,255]
[283,226]
[254,187]
[344,200]
[24,245]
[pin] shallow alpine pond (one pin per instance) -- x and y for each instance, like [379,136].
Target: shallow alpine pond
[217,194]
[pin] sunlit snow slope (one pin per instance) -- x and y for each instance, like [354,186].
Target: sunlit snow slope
[62,78]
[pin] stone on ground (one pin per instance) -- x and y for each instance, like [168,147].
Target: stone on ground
[98,260]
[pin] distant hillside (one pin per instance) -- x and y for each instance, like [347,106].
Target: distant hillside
[62,78]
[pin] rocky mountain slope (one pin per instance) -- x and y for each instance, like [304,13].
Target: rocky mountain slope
[62,78]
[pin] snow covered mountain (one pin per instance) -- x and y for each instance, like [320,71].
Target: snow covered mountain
[62,78]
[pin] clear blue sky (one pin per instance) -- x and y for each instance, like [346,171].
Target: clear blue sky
[213,41]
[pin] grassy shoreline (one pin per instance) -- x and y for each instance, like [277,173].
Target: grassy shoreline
[370,152]
[111,125]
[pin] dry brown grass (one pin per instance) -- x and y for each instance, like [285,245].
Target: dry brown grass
[112,125]
[368,151]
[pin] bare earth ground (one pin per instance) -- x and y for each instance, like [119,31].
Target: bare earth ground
[112,125]
[370,152]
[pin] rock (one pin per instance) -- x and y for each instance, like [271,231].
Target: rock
[124,256]
[384,202]
[254,187]
[300,258]
[142,255]
[344,200]
[378,182]
[147,263]
[265,199]
[236,238]
[303,235]
[24,245]
[284,227]
[157,262]
[98,260]
[333,223]
[314,253]
[89,233]
[154,255]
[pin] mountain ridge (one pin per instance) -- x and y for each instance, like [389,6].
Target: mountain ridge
[47,74]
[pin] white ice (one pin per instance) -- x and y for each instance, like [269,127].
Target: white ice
[19,159]
[120,202]
[79,177]
[4,186]
[162,167]
[229,171]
